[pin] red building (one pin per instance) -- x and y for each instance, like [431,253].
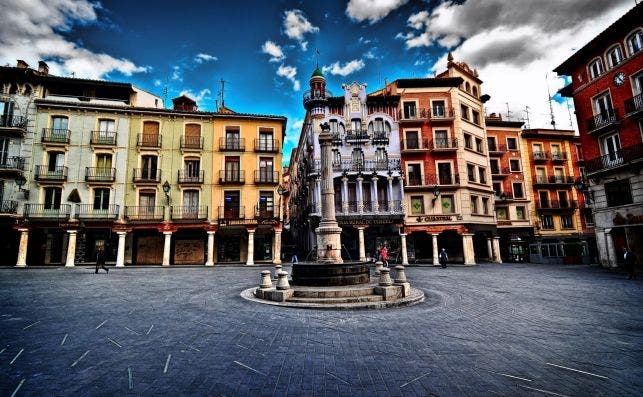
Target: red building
[607,88]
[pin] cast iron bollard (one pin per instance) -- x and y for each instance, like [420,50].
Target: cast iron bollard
[277,270]
[385,277]
[282,282]
[266,282]
[400,276]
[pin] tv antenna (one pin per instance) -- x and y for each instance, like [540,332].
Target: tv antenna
[508,112]
[221,93]
[551,108]
[526,116]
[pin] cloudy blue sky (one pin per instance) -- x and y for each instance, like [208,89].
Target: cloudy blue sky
[265,51]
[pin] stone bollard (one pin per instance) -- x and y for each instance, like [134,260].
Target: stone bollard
[277,270]
[385,277]
[266,282]
[282,282]
[400,276]
[378,266]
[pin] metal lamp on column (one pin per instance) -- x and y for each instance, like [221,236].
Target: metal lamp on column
[20,182]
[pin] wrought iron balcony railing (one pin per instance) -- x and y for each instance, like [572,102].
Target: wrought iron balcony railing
[269,177]
[103,138]
[263,145]
[189,212]
[603,120]
[100,174]
[144,213]
[8,207]
[444,144]
[634,104]
[415,144]
[617,159]
[263,212]
[12,163]
[50,211]
[191,177]
[88,211]
[232,176]
[554,180]
[45,173]
[232,212]
[55,135]
[13,122]
[149,140]
[232,144]
[146,175]
[191,142]
[556,205]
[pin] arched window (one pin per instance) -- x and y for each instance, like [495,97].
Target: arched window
[475,91]
[635,42]
[467,87]
[28,89]
[387,127]
[596,68]
[381,156]
[614,56]
[13,89]
[358,159]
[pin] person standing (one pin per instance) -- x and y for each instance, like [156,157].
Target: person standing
[100,259]
[630,262]
[384,256]
[294,258]
[444,258]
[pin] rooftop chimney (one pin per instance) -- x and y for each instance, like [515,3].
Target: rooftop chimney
[22,64]
[43,69]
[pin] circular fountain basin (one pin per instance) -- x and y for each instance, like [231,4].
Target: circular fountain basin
[330,274]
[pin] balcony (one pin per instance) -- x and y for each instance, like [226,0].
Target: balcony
[266,177]
[620,158]
[337,139]
[100,174]
[232,144]
[103,138]
[232,177]
[381,137]
[87,211]
[267,146]
[432,180]
[55,136]
[45,211]
[554,180]
[146,175]
[17,124]
[541,156]
[357,136]
[8,207]
[411,115]
[500,173]
[557,205]
[191,142]
[441,114]
[497,150]
[394,206]
[189,212]
[558,156]
[602,122]
[152,141]
[262,212]
[144,213]
[444,145]
[366,166]
[187,177]
[414,145]
[12,164]
[54,174]
[634,105]
[232,212]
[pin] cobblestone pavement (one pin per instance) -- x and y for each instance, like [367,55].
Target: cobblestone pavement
[512,330]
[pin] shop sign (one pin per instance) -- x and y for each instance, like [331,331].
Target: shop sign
[434,218]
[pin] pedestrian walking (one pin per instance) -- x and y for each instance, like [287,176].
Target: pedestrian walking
[100,259]
[384,256]
[294,258]
[444,258]
[630,262]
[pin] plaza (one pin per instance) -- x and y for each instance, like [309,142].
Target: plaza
[511,329]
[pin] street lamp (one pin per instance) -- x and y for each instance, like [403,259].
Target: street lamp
[166,190]
[436,193]
[20,181]
[582,187]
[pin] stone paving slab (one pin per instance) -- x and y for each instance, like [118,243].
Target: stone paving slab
[519,330]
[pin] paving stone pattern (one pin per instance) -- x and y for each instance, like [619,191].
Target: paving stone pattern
[511,330]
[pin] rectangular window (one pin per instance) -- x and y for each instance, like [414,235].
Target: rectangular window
[52,198]
[149,168]
[445,176]
[464,112]
[471,172]
[595,68]
[467,141]
[482,175]
[231,202]
[192,168]
[475,116]
[497,188]
[150,133]
[485,206]
[414,174]
[101,199]
[412,141]
[614,56]
[266,169]
[541,175]
[603,108]
[514,165]
[438,108]
[566,222]
[265,139]
[501,213]
[491,144]
[495,166]
[520,213]
[441,139]
[479,147]
[543,197]
[518,192]
[474,204]
[512,144]
[547,222]
[337,157]
[266,204]
[232,169]
[409,110]
[618,193]
[232,138]
[611,147]
[417,205]
[448,203]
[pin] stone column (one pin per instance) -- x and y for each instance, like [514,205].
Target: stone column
[120,252]
[405,256]
[376,201]
[251,248]
[71,248]
[489,250]
[389,193]
[362,248]
[210,259]
[611,251]
[360,195]
[329,244]
[401,182]
[276,253]
[318,195]
[344,194]
[467,248]
[436,260]
[497,258]
[166,248]
[22,248]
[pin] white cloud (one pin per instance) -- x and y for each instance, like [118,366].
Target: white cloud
[289,72]
[203,94]
[157,83]
[296,25]
[304,45]
[202,57]
[348,68]
[370,54]
[371,10]
[176,73]
[271,48]
[514,46]
[30,30]
[292,135]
